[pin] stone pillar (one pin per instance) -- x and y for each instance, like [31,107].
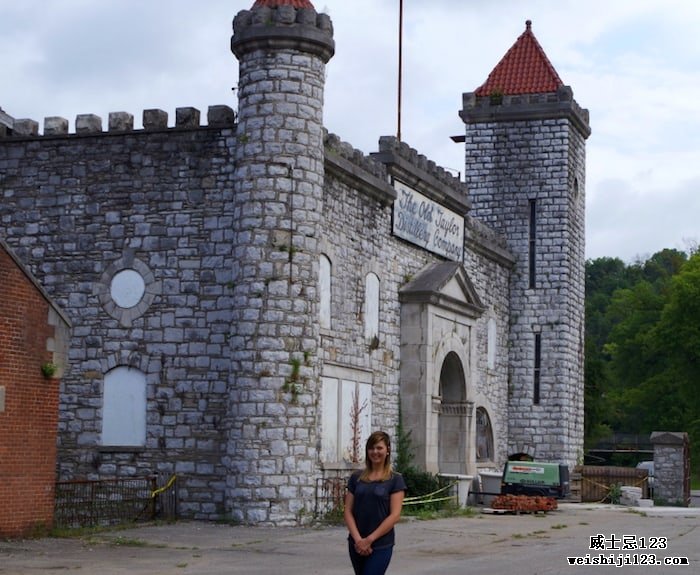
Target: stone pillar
[671,468]
[277,205]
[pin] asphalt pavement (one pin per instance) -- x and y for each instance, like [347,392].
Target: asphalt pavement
[488,543]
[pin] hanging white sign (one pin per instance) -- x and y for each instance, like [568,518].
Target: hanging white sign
[426,223]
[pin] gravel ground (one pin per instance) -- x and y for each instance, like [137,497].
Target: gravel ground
[493,544]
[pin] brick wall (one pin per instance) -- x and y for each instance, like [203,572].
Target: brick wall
[29,420]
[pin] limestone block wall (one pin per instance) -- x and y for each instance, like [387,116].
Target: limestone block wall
[489,263]
[358,240]
[78,208]
[671,467]
[277,206]
[509,165]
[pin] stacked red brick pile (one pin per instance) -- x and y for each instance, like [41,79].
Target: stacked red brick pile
[524,503]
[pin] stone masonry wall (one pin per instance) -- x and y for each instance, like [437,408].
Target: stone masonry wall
[358,240]
[278,201]
[161,201]
[488,263]
[76,208]
[507,165]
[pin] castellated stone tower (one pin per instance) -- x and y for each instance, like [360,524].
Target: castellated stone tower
[525,169]
[282,47]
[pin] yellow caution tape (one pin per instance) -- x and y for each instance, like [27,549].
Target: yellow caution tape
[167,486]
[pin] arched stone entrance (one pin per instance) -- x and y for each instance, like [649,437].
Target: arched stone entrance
[453,432]
[439,310]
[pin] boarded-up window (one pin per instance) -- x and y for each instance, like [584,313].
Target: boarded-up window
[347,415]
[124,407]
[371,306]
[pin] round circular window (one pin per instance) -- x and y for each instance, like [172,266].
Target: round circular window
[127,288]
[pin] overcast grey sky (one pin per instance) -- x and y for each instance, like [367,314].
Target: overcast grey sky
[633,63]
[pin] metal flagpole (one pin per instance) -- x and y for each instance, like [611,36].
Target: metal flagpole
[398,129]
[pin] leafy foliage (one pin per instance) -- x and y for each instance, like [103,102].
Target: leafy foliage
[418,482]
[643,346]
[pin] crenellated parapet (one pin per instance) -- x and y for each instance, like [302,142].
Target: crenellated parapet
[339,147]
[120,122]
[407,164]
[392,145]
[357,169]
[483,240]
[505,107]
[283,27]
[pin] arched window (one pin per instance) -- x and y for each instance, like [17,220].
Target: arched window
[371,306]
[324,280]
[124,407]
[484,436]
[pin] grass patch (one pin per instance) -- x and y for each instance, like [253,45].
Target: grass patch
[426,514]
[80,532]
[247,543]
[129,542]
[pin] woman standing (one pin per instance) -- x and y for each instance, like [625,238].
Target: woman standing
[372,508]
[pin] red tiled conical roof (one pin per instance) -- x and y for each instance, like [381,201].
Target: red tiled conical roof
[276,3]
[525,69]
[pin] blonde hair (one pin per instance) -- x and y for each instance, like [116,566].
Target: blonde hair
[372,440]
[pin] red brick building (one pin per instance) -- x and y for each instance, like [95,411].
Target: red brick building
[33,337]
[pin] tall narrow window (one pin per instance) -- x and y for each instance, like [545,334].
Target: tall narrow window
[324,281]
[491,344]
[371,306]
[532,244]
[536,377]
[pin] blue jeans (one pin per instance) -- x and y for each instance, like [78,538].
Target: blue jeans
[376,563]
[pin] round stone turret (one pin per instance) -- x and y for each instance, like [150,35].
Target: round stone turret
[280,24]
[282,48]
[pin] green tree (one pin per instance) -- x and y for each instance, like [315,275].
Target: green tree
[643,346]
[604,276]
[631,384]
[678,339]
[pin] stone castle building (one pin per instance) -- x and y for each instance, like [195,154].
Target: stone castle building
[250,297]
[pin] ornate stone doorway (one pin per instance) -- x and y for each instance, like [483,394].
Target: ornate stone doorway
[439,310]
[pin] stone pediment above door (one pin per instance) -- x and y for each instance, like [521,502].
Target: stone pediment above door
[445,285]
